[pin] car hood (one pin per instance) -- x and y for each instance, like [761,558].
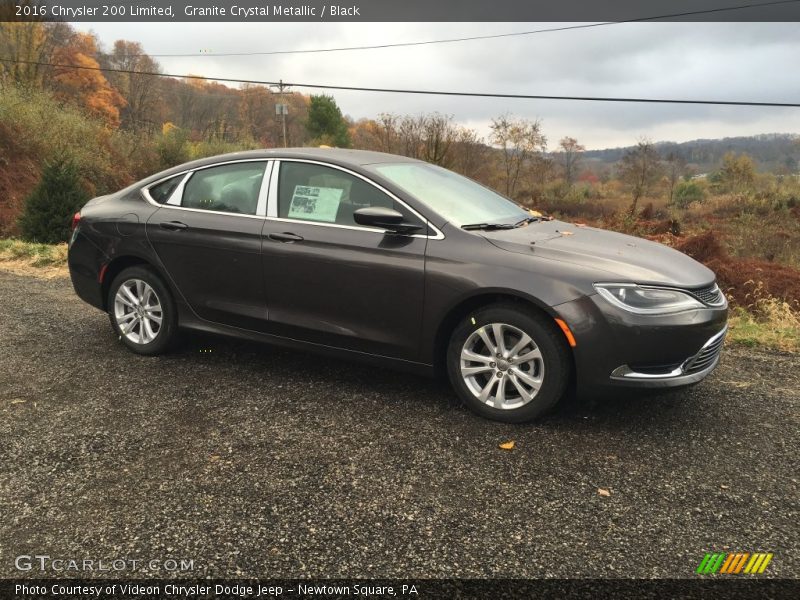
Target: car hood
[617,256]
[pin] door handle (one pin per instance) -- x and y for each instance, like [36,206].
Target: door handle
[174,225]
[286,237]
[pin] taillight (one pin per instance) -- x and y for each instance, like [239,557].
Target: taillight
[76,218]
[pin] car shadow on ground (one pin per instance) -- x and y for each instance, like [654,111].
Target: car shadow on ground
[610,410]
[619,410]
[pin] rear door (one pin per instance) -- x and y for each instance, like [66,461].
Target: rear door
[207,234]
[331,281]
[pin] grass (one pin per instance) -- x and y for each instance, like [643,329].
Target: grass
[769,323]
[32,254]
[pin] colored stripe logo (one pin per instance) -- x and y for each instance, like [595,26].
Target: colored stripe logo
[734,563]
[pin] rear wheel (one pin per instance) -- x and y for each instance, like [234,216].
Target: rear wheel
[508,364]
[142,311]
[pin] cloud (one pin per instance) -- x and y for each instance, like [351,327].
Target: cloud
[726,61]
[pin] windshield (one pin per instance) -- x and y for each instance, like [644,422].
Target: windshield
[458,199]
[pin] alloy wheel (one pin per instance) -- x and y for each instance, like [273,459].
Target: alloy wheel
[137,311]
[502,366]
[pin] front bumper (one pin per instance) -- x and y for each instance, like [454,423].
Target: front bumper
[618,349]
[693,369]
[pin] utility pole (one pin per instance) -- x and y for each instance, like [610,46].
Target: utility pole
[282,109]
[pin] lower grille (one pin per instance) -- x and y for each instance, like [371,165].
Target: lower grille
[707,355]
[701,363]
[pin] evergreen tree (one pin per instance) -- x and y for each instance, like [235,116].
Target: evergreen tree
[49,208]
[325,122]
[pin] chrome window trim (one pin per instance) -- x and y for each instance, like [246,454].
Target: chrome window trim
[338,226]
[272,196]
[145,191]
[189,172]
[212,212]
[269,210]
[261,207]
[272,207]
[176,195]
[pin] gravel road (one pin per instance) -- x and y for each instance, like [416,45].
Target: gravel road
[256,461]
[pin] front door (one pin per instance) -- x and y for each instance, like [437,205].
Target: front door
[333,282]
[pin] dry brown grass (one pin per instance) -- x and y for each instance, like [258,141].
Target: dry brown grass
[770,323]
[40,260]
[745,281]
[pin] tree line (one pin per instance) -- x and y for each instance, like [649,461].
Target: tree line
[116,123]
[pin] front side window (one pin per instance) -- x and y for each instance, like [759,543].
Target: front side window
[459,200]
[312,192]
[232,188]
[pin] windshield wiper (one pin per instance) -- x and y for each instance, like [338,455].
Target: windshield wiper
[487,226]
[527,220]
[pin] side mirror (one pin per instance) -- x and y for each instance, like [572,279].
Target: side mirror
[384,218]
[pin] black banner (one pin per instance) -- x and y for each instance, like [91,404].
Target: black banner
[730,588]
[397,11]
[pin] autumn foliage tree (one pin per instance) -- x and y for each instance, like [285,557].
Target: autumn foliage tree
[29,46]
[639,169]
[737,173]
[470,154]
[520,142]
[675,166]
[256,109]
[140,90]
[569,155]
[86,86]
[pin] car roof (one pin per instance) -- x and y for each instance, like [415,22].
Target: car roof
[340,156]
[343,157]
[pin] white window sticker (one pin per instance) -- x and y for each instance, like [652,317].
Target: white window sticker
[315,203]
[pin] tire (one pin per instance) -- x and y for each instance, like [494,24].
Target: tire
[145,335]
[544,361]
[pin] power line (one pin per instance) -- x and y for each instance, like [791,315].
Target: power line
[413,91]
[471,38]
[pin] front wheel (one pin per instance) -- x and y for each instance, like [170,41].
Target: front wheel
[508,364]
[142,311]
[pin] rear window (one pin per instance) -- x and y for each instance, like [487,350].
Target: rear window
[162,191]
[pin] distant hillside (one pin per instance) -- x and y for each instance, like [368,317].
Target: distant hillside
[770,151]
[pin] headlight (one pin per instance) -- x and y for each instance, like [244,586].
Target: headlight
[647,300]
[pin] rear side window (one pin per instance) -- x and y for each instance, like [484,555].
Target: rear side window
[230,188]
[162,191]
[312,192]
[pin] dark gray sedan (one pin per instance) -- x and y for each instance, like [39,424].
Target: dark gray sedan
[395,261]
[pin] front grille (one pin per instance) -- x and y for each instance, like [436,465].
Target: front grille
[707,355]
[709,295]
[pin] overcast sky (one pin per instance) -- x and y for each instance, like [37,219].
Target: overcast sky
[718,61]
